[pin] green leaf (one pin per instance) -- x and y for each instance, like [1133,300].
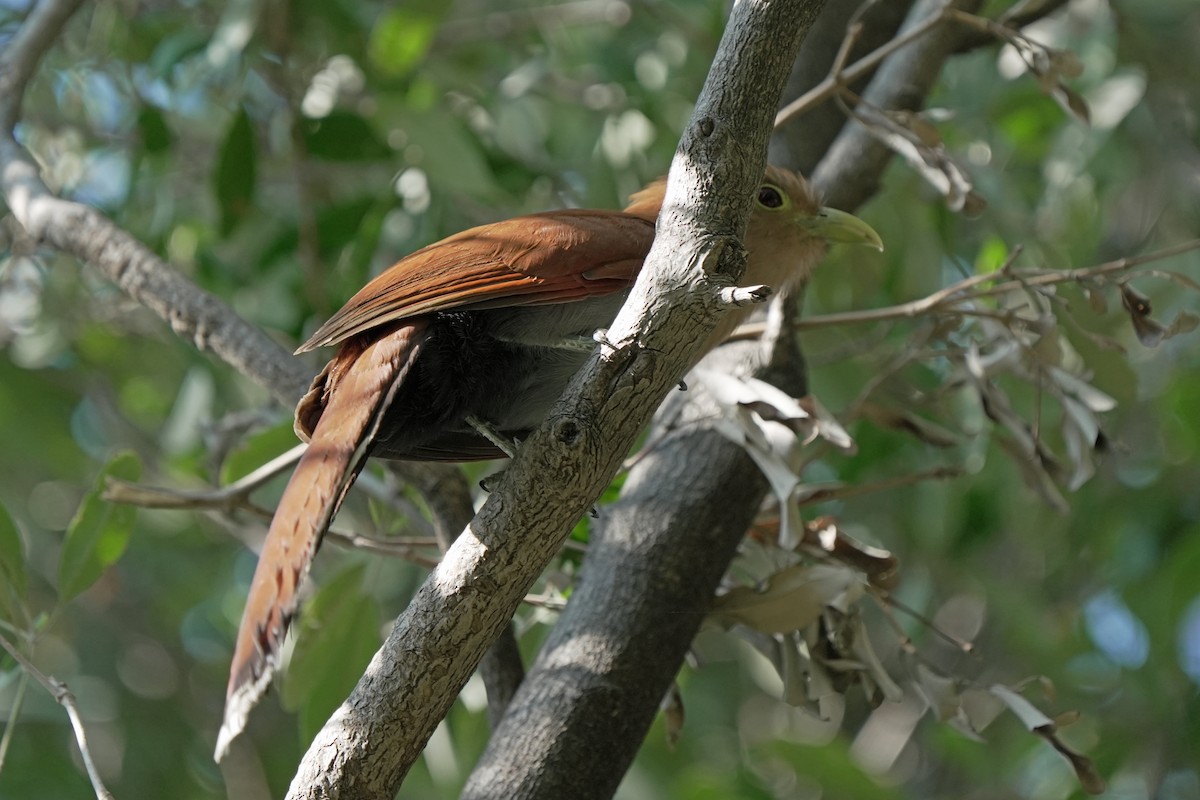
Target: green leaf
[343,136]
[236,172]
[12,569]
[337,226]
[992,255]
[98,534]
[156,136]
[337,635]
[401,39]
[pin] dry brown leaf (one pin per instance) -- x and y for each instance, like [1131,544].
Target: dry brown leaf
[674,716]
[880,566]
[1038,723]
[789,600]
[1149,331]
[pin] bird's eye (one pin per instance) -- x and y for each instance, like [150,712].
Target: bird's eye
[769,197]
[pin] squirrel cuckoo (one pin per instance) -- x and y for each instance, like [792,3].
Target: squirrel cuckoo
[479,332]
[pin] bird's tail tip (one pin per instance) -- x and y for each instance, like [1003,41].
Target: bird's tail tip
[237,711]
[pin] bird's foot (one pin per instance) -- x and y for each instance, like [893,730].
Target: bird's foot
[489,432]
[488,483]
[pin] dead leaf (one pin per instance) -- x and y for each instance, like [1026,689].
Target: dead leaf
[1066,63]
[1038,723]
[880,566]
[789,600]
[1184,322]
[1072,102]
[827,427]
[1149,331]
[1096,298]
[931,161]
[872,666]
[1085,770]
[1089,395]
[673,716]
[1029,714]
[941,693]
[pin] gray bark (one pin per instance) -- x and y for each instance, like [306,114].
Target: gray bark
[653,567]
[370,742]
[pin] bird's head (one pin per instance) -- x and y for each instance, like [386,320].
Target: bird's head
[789,230]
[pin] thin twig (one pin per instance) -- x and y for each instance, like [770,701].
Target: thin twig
[383,547]
[841,491]
[958,292]
[840,78]
[62,695]
[232,496]
[14,713]
[837,79]
[889,601]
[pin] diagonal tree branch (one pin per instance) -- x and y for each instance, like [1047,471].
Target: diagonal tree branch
[371,741]
[654,566]
[904,81]
[62,695]
[801,146]
[194,314]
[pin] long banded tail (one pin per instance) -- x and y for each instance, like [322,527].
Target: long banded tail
[355,389]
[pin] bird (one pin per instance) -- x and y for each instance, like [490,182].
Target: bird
[463,346]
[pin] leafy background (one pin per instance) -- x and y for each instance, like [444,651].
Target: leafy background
[280,153]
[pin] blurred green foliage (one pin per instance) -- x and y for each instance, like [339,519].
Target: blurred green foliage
[281,153]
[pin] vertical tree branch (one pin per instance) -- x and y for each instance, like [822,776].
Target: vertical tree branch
[580,716]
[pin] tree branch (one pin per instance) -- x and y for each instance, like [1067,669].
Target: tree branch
[851,171]
[650,575]
[371,741]
[62,695]
[802,146]
[194,314]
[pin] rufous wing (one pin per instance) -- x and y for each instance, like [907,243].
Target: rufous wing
[554,257]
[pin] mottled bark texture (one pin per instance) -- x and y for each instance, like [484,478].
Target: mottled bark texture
[371,741]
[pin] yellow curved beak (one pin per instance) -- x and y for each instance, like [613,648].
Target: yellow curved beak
[838,227]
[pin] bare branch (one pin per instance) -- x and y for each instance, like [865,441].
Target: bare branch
[839,77]
[62,695]
[662,549]
[905,79]
[21,54]
[73,228]
[948,299]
